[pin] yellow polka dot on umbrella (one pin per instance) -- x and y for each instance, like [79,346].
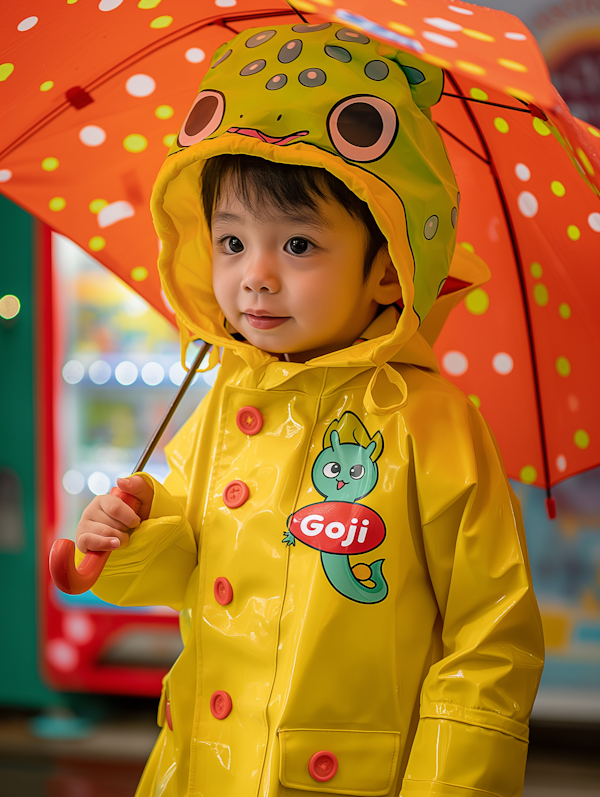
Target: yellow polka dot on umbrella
[586,161]
[96,205]
[50,164]
[473,69]
[47,85]
[540,294]
[435,60]
[501,125]
[161,22]
[475,399]
[540,126]
[563,366]
[301,5]
[477,34]
[164,112]
[57,203]
[148,3]
[97,243]
[6,71]
[564,311]
[477,302]
[514,65]
[520,94]
[478,94]
[139,273]
[469,247]
[536,270]
[573,232]
[557,188]
[594,132]
[528,474]
[581,438]
[169,139]
[400,28]
[135,142]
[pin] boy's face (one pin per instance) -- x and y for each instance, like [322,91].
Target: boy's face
[291,282]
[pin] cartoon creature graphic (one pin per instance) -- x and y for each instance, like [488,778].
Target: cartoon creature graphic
[344,472]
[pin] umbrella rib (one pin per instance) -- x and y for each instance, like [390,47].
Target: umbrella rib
[462,143]
[517,254]
[297,12]
[133,59]
[486,102]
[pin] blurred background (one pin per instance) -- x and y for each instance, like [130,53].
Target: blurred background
[87,370]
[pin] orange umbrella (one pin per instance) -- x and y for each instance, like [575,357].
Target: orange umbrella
[92,96]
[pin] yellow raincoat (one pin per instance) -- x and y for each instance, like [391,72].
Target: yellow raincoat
[356,607]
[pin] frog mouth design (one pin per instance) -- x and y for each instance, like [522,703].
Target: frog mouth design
[279,140]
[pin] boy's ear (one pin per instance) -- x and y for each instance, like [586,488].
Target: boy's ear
[387,289]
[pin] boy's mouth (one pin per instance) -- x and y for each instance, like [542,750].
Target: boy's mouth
[260,320]
[279,140]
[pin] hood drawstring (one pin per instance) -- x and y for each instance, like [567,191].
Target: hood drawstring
[396,387]
[185,339]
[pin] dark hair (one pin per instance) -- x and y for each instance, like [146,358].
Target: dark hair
[261,183]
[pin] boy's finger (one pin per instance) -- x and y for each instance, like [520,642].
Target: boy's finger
[102,539]
[113,510]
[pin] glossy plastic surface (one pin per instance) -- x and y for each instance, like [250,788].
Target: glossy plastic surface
[75,580]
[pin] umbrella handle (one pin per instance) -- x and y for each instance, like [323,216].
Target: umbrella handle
[75,580]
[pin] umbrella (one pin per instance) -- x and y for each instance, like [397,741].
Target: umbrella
[84,136]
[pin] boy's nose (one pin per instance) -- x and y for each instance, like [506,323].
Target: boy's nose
[261,276]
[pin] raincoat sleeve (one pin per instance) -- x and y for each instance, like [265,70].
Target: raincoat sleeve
[155,567]
[472,735]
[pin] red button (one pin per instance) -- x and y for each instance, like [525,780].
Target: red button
[249,420]
[168,714]
[220,705]
[223,591]
[323,766]
[235,494]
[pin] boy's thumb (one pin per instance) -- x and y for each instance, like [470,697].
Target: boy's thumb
[136,485]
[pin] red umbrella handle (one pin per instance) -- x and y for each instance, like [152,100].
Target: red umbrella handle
[75,580]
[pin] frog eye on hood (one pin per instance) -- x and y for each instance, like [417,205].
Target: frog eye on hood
[362,128]
[204,118]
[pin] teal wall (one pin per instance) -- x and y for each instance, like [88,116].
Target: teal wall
[20,682]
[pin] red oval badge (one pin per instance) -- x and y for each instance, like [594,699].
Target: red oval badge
[338,527]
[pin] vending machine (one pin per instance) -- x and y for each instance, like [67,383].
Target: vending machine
[109,367]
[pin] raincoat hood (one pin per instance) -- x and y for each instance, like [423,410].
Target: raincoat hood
[329,97]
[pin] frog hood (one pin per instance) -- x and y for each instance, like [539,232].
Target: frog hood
[326,96]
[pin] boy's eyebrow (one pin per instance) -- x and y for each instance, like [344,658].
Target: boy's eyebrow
[308,219]
[222,216]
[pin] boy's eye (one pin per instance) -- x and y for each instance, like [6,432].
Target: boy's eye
[233,245]
[331,470]
[297,246]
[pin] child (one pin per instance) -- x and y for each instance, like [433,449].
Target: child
[391,642]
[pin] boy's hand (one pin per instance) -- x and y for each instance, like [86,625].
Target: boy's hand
[106,522]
